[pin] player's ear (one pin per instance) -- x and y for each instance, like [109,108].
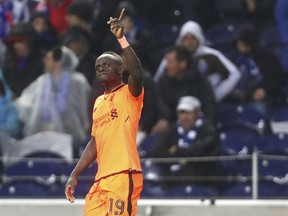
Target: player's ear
[121,69]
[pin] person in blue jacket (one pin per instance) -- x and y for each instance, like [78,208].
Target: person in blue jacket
[9,121]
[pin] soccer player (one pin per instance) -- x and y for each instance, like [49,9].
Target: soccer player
[118,181]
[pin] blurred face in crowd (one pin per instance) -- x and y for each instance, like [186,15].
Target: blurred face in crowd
[242,47]
[39,24]
[50,65]
[174,67]
[188,118]
[72,20]
[78,46]
[21,48]
[190,42]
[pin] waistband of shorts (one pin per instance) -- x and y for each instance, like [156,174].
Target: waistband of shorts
[129,171]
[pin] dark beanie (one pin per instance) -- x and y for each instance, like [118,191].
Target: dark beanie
[81,9]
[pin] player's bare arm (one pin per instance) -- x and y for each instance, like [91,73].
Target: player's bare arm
[133,63]
[88,156]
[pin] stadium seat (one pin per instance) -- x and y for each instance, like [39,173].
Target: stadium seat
[237,140]
[146,146]
[273,144]
[238,143]
[240,190]
[272,168]
[23,189]
[221,36]
[279,120]
[272,190]
[231,115]
[32,168]
[191,191]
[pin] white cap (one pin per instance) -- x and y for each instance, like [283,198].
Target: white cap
[188,104]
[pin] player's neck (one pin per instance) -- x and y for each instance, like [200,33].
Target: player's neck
[113,88]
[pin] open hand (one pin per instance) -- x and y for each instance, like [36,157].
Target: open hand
[70,188]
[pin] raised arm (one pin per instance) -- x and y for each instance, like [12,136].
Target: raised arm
[133,63]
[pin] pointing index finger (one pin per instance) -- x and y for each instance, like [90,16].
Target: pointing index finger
[121,14]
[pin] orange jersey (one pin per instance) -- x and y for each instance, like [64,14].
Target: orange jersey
[115,124]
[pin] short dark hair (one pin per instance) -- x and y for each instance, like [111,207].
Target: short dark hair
[119,59]
[182,53]
[56,53]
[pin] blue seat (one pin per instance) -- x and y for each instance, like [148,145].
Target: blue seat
[33,168]
[273,144]
[21,189]
[232,115]
[165,36]
[192,190]
[272,190]
[221,36]
[279,120]
[146,146]
[273,168]
[238,190]
[237,142]
[152,189]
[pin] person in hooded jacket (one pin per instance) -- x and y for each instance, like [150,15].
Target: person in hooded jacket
[221,72]
[58,99]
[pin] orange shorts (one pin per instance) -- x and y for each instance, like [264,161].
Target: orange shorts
[115,195]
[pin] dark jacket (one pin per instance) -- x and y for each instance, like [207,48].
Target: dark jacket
[193,83]
[204,144]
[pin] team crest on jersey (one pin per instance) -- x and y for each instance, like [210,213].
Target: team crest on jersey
[113,113]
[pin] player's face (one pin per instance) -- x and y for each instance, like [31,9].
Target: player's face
[107,68]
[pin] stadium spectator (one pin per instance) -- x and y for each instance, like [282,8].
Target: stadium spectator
[220,71]
[262,75]
[76,39]
[57,10]
[80,14]
[23,58]
[180,78]
[44,32]
[191,135]
[58,99]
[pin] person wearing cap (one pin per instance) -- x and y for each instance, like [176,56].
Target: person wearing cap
[190,136]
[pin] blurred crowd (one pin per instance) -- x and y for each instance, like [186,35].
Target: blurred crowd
[198,56]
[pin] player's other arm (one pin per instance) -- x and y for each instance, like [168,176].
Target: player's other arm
[88,156]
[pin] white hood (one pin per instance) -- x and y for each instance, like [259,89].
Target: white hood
[193,28]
